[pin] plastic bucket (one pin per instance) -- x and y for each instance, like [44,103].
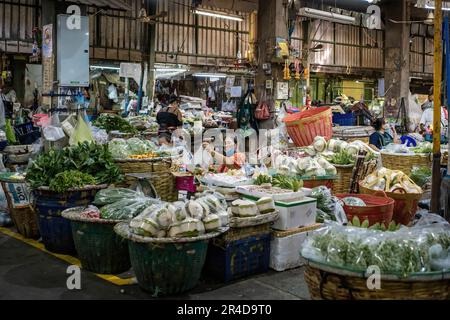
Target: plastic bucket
[378,209]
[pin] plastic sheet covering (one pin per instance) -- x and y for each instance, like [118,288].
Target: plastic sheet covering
[405,252]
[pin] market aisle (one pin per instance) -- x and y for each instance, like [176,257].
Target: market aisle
[27,273]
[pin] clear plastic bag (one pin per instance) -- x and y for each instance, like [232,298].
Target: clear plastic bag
[109,196]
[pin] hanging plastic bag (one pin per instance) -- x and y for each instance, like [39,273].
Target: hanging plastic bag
[112,93]
[82,132]
[69,124]
[10,135]
[54,132]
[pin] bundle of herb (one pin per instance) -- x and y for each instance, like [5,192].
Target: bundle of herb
[114,123]
[72,179]
[88,158]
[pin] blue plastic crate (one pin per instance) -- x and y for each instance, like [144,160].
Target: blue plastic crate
[347,119]
[239,258]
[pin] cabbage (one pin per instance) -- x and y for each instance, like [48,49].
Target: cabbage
[118,148]
[320,144]
[353,149]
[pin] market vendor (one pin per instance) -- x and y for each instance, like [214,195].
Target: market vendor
[170,118]
[230,159]
[381,137]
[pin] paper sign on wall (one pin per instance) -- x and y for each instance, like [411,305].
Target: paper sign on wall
[236,92]
[282,90]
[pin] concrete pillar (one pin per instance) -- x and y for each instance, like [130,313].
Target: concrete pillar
[48,17]
[151,10]
[397,66]
[271,24]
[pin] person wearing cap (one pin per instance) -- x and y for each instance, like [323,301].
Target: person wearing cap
[170,118]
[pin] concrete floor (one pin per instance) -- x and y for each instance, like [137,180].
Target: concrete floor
[28,273]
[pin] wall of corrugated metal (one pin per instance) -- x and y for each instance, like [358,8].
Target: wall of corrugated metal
[343,45]
[421,50]
[185,38]
[17,20]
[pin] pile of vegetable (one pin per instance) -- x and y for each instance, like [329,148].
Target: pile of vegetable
[134,148]
[87,158]
[423,147]
[406,251]
[342,158]
[421,175]
[305,167]
[329,208]
[72,179]
[181,219]
[280,181]
[112,122]
[390,181]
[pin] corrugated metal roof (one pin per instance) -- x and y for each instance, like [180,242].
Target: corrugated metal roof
[112,4]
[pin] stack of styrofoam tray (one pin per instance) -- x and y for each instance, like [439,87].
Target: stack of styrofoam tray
[224,180]
[277,197]
[285,248]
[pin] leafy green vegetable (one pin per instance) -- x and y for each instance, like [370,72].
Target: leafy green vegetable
[114,123]
[89,158]
[70,180]
[342,158]
[423,147]
[263,179]
[286,182]
[421,176]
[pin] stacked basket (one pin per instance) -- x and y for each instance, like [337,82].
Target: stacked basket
[161,176]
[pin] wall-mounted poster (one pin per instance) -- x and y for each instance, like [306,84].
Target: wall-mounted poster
[282,90]
[47,41]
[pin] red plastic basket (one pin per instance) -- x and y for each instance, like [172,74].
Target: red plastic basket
[186,183]
[378,209]
[303,127]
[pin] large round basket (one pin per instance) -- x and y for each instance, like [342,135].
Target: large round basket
[166,266]
[350,134]
[55,230]
[99,248]
[406,204]
[314,182]
[330,283]
[162,178]
[343,178]
[303,127]
[22,215]
[405,162]
[378,209]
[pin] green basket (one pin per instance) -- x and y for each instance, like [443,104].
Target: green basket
[99,248]
[165,269]
[165,266]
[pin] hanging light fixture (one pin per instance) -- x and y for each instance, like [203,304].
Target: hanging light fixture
[217,14]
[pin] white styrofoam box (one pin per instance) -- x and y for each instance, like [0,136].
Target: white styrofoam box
[285,251]
[296,214]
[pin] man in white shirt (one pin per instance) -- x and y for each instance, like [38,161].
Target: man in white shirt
[427,119]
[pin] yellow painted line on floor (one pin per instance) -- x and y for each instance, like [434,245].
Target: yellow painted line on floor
[69,259]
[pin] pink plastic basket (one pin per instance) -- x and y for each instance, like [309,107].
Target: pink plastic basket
[186,184]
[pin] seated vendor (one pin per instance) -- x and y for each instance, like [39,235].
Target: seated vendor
[231,159]
[170,118]
[381,138]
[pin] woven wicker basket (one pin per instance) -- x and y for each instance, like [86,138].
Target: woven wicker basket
[162,177]
[328,283]
[344,178]
[405,162]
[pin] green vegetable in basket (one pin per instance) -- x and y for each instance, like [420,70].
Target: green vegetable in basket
[114,123]
[125,209]
[89,158]
[263,179]
[342,158]
[288,183]
[421,175]
[71,180]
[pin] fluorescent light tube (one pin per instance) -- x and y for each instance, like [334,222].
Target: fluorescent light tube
[105,68]
[218,14]
[325,15]
[209,75]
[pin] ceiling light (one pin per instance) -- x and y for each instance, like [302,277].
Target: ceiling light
[326,15]
[105,68]
[218,14]
[210,75]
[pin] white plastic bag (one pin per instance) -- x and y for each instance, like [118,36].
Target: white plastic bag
[112,93]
